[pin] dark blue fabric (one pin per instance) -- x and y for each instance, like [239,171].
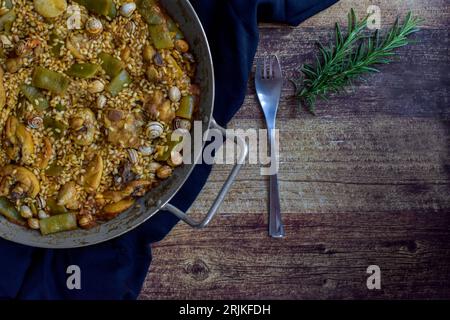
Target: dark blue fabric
[116,269]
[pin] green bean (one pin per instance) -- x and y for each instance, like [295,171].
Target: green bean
[7,20]
[58,223]
[54,208]
[50,8]
[103,7]
[9,211]
[186,109]
[35,97]
[171,145]
[160,36]
[8,4]
[120,82]
[50,80]
[150,11]
[110,64]
[83,70]
[54,171]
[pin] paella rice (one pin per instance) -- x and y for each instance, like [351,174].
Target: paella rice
[90,93]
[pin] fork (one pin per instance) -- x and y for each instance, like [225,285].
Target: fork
[269,82]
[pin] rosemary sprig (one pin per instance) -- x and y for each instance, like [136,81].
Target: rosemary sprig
[350,57]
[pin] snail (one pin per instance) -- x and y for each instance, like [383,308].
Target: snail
[133,156]
[127,9]
[174,94]
[94,26]
[146,151]
[154,130]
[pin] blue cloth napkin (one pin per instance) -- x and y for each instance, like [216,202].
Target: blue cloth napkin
[117,269]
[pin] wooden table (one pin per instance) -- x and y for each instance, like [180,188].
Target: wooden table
[365,182]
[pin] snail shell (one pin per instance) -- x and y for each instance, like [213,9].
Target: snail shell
[154,130]
[26,212]
[130,27]
[96,87]
[42,214]
[146,151]
[41,202]
[94,26]
[154,166]
[35,122]
[174,94]
[176,158]
[133,156]
[183,124]
[127,9]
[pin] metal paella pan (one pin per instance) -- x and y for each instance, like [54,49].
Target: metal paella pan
[157,198]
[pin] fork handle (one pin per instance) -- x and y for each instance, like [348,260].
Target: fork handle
[276,228]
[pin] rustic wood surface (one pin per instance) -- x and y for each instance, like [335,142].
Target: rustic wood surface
[366,181]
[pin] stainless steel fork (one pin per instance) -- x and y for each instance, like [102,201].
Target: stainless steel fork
[269,82]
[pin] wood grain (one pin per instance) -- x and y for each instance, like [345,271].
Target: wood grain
[366,181]
[325,256]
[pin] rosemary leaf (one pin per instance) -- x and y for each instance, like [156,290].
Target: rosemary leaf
[351,57]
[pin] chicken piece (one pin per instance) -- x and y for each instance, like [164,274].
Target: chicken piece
[46,154]
[83,126]
[68,196]
[18,141]
[159,108]
[123,128]
[18,182]
[93,174]
[112,210]
[135,188]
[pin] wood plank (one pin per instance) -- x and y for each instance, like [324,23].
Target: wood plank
[325,255]
[328,168]
[366,181]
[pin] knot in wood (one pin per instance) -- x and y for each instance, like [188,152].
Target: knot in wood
[197,269]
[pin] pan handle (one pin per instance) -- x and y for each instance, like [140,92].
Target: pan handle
[223,192]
